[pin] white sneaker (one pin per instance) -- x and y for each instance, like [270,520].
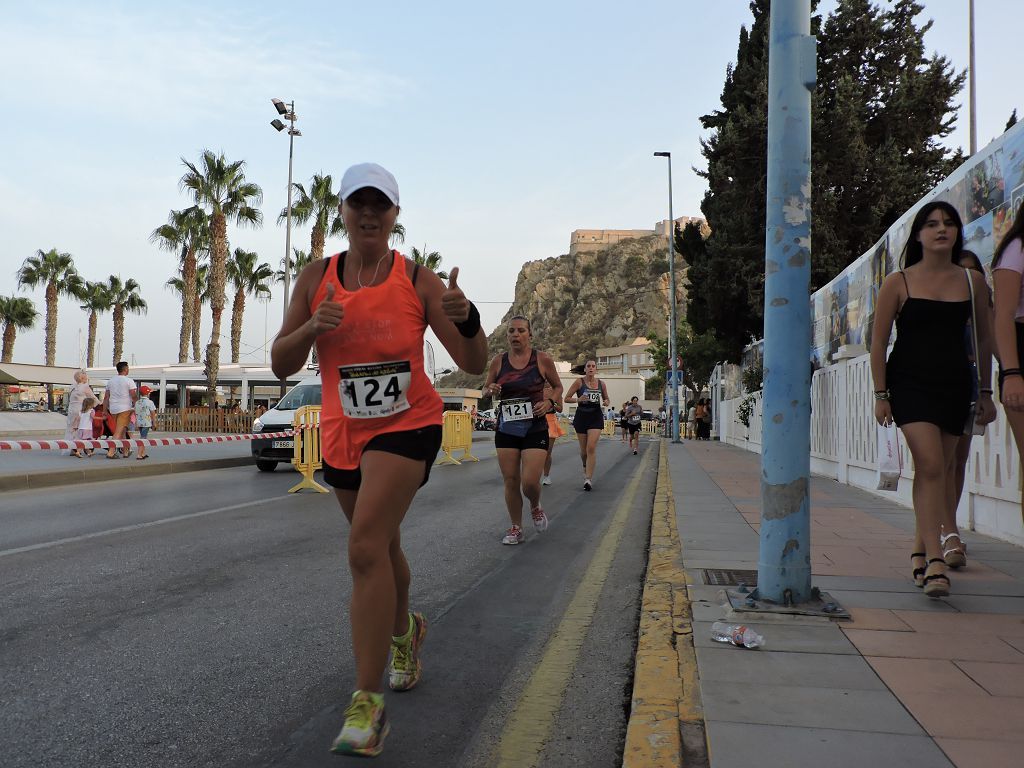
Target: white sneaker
[586,485]
[545,480]
[540,520]
[513,535]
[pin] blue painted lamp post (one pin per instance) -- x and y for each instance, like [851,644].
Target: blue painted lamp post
[784,563]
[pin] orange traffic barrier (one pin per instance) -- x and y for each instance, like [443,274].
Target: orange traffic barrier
[306,457]
[457,434]
[609,428]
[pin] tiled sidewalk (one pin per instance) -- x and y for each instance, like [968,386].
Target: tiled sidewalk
[908,682]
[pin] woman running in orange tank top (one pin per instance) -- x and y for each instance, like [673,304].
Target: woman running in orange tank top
[367,310]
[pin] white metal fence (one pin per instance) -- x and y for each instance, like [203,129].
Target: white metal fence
[843,448]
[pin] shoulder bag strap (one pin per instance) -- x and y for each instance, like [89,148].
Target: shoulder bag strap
[974,333]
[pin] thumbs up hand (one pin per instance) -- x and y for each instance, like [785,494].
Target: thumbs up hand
[328,314]
[454,301]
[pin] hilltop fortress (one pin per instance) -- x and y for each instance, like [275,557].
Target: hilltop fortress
[591,240]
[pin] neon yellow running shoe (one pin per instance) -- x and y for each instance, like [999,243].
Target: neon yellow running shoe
[406,668]
[366,726]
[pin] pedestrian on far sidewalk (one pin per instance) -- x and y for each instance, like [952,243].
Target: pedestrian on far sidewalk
[79,392]
[144,410]
[119,398]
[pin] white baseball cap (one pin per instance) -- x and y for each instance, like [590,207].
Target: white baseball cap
[369,175]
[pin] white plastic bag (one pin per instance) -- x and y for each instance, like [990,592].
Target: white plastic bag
[889,459]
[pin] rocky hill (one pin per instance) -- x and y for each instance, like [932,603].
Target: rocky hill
[579,303]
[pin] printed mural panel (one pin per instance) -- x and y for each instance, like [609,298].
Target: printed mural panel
[987,190]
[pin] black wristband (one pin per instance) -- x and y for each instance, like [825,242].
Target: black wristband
[471,324]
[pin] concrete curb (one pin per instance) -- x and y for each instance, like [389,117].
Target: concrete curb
[666,718]
[26,481]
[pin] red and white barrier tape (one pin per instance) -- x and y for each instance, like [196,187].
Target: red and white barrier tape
[51,445]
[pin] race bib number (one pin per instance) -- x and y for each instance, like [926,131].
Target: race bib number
[592,397]
[634,419]
[516,409]
[374,390]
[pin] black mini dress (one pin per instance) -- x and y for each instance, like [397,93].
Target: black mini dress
[928,372]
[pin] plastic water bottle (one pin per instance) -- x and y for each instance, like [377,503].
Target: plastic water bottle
[737,634]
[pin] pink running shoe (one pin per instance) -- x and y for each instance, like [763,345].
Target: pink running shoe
[540,520]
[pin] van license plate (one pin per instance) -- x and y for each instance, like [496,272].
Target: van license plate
[283,444]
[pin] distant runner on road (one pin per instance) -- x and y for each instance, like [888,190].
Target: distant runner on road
[517,378]
[591,396]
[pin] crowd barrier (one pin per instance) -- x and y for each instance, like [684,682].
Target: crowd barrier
[457,434]
[107,442]
[306,458]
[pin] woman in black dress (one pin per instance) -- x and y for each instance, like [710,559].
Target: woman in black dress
[925,386]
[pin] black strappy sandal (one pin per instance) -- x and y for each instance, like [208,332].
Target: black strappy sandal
[938,584]
[918,572]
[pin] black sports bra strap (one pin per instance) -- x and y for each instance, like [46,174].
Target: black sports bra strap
[341,268]
[905,283]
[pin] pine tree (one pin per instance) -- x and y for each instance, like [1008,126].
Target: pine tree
[879,110]
[1012,121]
[731,279]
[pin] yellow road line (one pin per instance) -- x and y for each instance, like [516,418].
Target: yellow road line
[666,690]
[522,742]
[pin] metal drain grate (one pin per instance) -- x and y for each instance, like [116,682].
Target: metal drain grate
[724,577]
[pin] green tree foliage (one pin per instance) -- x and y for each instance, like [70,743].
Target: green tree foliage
[429,259]
[96,298]
[701,352]
[124,297]
[55,272]
[220,189]
[880,109]
[16,314]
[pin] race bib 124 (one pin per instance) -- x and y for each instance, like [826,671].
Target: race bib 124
[374,390]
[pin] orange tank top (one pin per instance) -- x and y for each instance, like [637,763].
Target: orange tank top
[371,365]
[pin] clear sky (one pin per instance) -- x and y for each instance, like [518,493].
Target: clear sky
[507,126]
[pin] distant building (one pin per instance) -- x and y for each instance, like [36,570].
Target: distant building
[590,240]
[634,357]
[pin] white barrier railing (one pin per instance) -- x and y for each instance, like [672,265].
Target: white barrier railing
[843,448]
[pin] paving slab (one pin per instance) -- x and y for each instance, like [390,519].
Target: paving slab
[744,745]
[907,681]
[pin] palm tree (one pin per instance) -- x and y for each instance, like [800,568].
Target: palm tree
[299,262]
[200,295]
[247,277]
[320,205]
[221,190]
[124,296]
[431,261]
[56,271]
[186,233]
[16,314]
[96,298]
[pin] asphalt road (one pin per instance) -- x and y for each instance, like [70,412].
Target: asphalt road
[201,619]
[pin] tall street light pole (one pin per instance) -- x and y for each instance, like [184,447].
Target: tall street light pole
[672,304]
[287,111]
[973,80]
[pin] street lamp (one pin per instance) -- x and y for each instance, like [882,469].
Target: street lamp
[287,111]
[672,303]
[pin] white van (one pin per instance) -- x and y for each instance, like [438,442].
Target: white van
[281,417]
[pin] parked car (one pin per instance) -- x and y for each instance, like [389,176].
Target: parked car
[486,420]
[268,452]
